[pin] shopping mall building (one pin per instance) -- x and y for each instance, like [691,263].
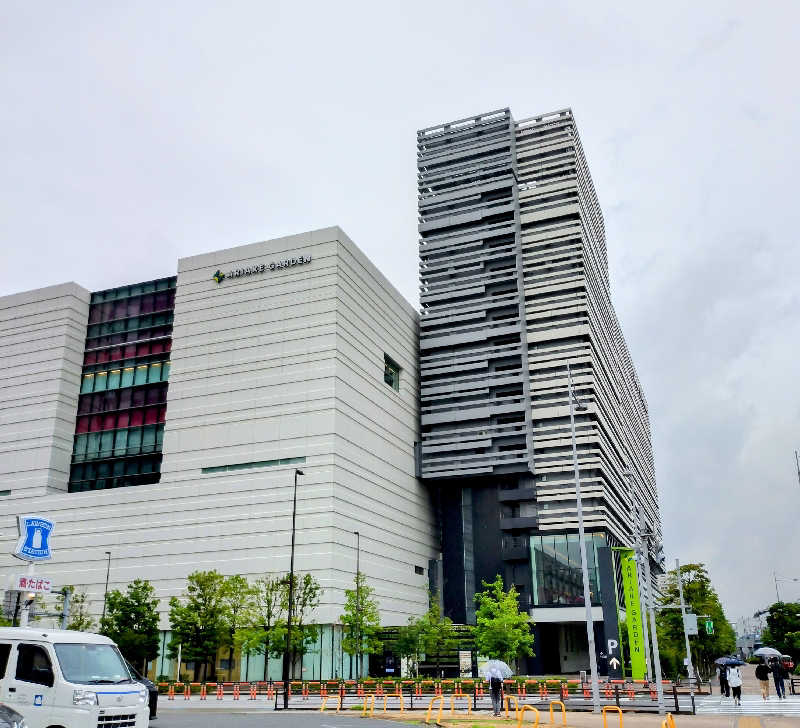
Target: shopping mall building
[442,438]
[206,391]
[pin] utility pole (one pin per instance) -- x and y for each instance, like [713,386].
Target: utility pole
[358,604]
[287,655]
[777,593]
[797,464]
[689,667]
[105,593]
[587,596]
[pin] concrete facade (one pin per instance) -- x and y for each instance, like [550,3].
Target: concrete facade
[515,286]
[271,370]
[43,334]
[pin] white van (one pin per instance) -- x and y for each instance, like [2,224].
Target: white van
[62,679]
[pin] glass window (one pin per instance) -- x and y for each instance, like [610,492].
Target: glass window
[100,380]
[127,377]
[80,446]
[155,372]
[141,374]
[120,442]
[88,664]
[114,379]
[134,441]
[574,549]
[165,371]
[106,444]
[561,549]
[33,665]
[93,445]
[391,373]
[148,438]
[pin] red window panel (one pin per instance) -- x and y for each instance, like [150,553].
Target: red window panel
[125,398]
[94,314]
[162,414]
[143,349]
[148,301]
[138,398]
[84,405]
[82,425]
[109,421]
[123,420]
[134,306]
[168,345]
[151,416]
[103,356]
[96,423]
[120,309]
[130,351]
[137,418]
[157,347]
[90,357]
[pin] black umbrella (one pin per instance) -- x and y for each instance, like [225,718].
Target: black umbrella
[728,661]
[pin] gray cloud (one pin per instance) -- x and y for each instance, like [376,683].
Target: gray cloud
[134,134]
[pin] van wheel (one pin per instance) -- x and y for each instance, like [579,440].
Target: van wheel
[55,726]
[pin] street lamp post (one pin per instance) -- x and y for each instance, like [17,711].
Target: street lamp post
[286,654]
[358,604]
[587,597]
[105,594]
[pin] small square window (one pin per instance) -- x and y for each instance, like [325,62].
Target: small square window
[419,570]
[391,373]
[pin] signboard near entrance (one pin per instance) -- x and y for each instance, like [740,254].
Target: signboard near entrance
[630,587]
[612,654]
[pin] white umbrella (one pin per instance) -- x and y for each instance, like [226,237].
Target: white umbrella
[496,668]
[766,652]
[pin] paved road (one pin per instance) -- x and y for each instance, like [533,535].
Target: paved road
[263,719]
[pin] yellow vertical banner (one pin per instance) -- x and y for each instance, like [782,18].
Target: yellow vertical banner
[630,587]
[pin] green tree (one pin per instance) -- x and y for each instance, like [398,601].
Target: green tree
[437,633]
[409,643]
[132,622]
[701,599]
[361,621]
[265,632]
[198,623]
[501,630]
[783,628]
[79,618]
[237,598]
[306,594]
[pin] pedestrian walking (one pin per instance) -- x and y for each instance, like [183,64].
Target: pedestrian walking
[495,672]
[734,679]
[724,688]
[778,675]
[762,675]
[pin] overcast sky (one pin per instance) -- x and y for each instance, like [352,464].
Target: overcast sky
[136,133]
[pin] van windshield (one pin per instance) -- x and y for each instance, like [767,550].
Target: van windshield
[92,664]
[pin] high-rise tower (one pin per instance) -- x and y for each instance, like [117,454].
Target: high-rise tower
[515,286]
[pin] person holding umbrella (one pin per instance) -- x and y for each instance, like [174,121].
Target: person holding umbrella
[778,674]
[495,672]
[762,675]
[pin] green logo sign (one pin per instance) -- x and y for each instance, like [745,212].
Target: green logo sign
[218,277]
[630,586]
[709,626]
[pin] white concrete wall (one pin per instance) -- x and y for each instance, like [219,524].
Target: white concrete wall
[284,363]
[43,334]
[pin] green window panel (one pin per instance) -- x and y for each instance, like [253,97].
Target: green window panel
[140,376]
[114,377]
[127,377]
